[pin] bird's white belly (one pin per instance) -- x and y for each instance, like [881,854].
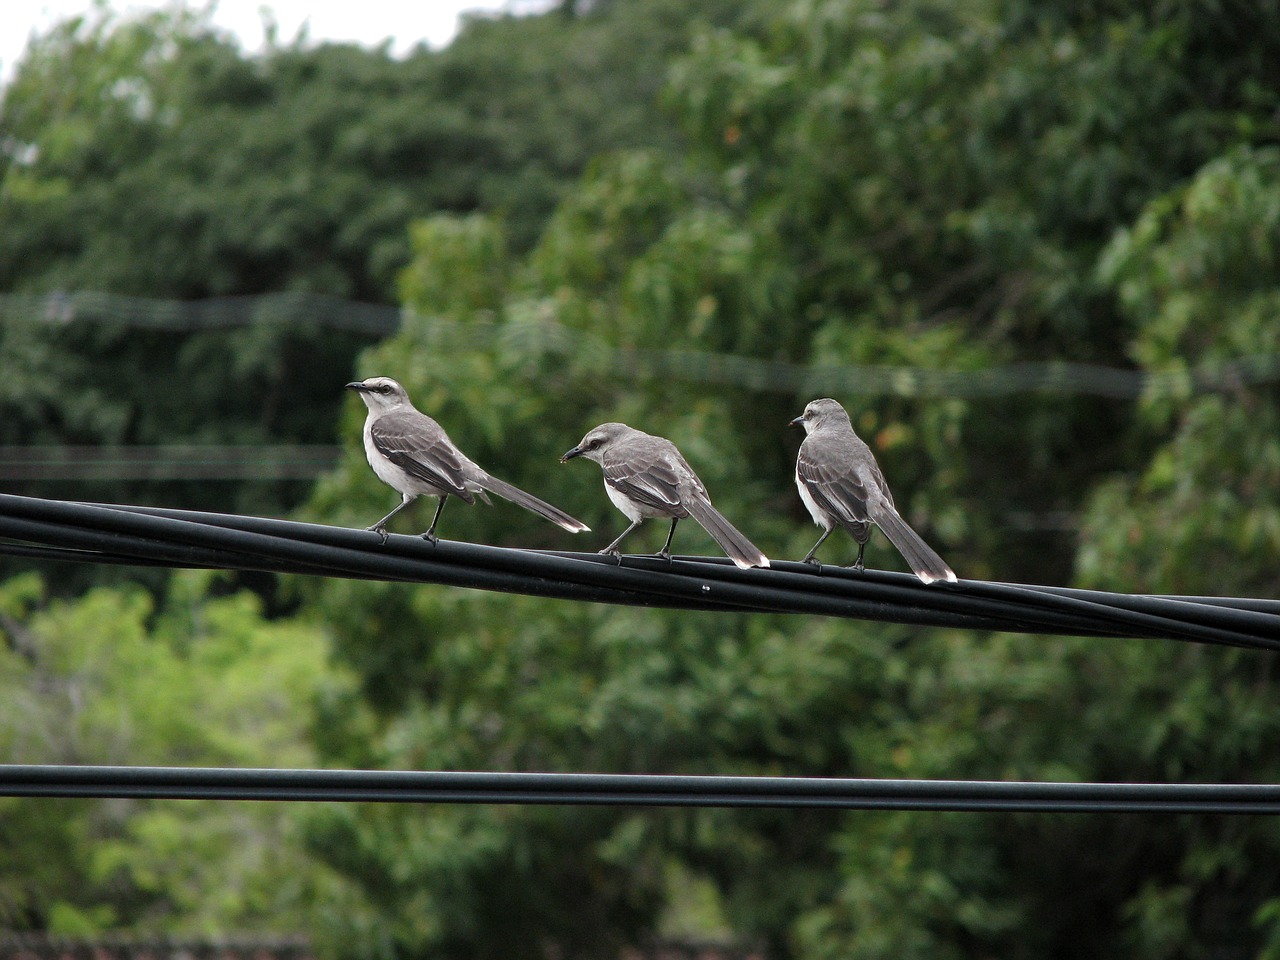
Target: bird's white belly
[635,512]
[407,485]
[820,516]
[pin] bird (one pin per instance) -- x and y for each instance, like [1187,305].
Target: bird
[411,453]
[646,476]
[841,485]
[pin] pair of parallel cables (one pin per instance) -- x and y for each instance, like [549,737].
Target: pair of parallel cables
[134,535]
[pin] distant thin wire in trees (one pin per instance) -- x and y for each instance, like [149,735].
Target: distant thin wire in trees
[313,311]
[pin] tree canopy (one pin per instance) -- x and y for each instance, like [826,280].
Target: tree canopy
[946,186]
[151,156]
[147,155]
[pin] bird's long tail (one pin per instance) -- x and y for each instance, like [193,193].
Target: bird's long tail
[740,550]
[922,559]
[529,502]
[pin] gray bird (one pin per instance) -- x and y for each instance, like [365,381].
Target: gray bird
[412,454]
[841,484]
[645,476]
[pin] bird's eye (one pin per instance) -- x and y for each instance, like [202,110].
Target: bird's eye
[592,444]
[384,389]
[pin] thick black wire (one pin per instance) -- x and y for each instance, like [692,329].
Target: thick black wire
[835,591]
[245,543]
[408,786]
[146,535]
[651,579]
[77,545]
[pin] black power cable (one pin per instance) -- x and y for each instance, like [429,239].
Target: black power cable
[101,533]
[410,786]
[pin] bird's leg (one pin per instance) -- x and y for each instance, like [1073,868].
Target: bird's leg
[809,558]
[612,549]
[857,564]
[430,535]
[380,528]
[665,552]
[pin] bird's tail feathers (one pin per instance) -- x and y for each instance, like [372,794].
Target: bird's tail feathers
[924,562]
[529,502]
[739,549]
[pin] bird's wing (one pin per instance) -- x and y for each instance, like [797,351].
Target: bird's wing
[416,444]
[838,486]
[648,476]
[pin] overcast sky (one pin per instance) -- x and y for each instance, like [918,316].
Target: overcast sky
[362,21]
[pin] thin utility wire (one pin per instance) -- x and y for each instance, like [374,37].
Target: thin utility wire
[177,461]
[304,310]
[542,336]
[119,534]
[632,790]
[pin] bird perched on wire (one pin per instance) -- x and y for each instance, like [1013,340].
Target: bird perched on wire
[411,453]
[646,476]
[841,485]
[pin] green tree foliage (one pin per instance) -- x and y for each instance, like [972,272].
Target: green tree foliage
[109,678]
[932,185]
[150,156]
[98,379]
[1200,268]
[942,185]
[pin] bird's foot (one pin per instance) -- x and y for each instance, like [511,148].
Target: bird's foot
[814,562]
[857,567]
[380,530]
[430,537]
[606,552]
[664,555]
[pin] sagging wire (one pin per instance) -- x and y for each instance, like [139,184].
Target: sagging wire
[123,534]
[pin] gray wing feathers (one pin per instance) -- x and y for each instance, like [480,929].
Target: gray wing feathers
[652,472]
[527,500]
[836,488]
[416,444]
[649,480]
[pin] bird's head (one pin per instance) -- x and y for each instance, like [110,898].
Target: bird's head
[596,442]
[819,412]
[381,394]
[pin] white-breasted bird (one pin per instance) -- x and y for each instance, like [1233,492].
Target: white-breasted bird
[412,454]
[647,477]
[841,485]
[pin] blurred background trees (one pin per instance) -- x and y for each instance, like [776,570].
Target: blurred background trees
[572,209]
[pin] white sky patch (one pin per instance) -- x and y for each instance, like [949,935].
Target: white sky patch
[366,22]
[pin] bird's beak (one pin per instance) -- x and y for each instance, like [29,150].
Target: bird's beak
[797,422]
[357,385]
[570,454]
